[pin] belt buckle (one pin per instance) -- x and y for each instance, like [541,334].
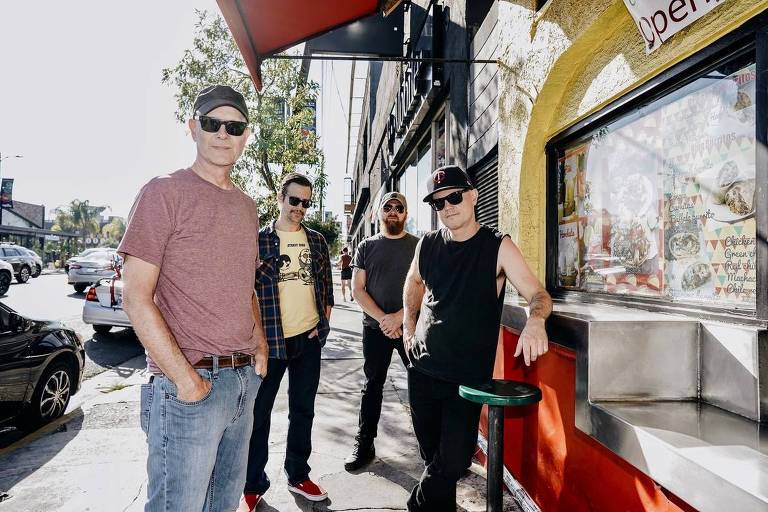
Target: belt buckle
[232,359]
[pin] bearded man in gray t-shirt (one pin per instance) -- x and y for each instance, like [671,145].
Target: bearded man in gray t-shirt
[380,266]
[202,330]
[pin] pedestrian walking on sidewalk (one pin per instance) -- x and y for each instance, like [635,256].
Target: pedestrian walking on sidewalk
[453,299]
[296,295]
[202,331]
[381,264]
[345,262]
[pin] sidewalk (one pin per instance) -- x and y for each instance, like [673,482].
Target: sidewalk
[50,271]
[94,459]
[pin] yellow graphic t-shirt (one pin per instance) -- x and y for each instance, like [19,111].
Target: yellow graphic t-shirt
[296,284]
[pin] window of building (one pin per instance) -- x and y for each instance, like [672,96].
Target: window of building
[412,184]
[407,185]
[422,210]
[661,202]
[441,153]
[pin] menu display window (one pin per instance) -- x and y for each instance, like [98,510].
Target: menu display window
[662,203]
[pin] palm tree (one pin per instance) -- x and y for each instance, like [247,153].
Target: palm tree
[79,216]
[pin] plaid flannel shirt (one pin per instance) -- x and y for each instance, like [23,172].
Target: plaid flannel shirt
[269,296]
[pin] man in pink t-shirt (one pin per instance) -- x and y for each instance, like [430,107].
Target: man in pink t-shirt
[191,251]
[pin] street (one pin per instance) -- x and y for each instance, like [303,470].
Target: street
[49,297]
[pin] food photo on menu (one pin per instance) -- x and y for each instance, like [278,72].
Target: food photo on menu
[709,183]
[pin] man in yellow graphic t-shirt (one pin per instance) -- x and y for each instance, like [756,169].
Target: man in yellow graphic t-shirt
[298,312]
[295,295]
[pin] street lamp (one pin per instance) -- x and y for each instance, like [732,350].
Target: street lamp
[1,174]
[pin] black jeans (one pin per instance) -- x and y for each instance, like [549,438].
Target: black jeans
[377,351]
[446,429]
[303,365]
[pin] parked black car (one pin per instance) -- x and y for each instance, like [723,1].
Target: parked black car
[41,367]
[23,263]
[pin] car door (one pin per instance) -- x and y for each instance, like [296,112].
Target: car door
[14,366]
[13,257]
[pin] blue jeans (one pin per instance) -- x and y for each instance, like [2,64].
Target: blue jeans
[198,451]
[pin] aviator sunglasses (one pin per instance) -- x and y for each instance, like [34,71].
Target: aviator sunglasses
[454,198]
[212,125]
[294,201]
[388,208]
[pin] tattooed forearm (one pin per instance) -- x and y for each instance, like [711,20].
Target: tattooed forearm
[540,305]
[412,296]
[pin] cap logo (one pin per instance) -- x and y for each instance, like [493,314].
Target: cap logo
[438,177]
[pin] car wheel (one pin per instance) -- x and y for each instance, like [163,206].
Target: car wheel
[102,329]
[37,271]
[51,395]
[80,287]
[23,275]
[5,282]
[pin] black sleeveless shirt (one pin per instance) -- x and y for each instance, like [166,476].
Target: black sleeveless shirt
[458,326]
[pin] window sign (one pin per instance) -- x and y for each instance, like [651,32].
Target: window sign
[658,20]
[662,203]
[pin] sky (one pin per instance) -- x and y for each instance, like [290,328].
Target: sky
[81,100]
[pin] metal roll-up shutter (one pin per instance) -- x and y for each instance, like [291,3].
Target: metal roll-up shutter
[486,180]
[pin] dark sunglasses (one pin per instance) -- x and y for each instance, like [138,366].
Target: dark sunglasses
[212,125]
[295,201]
[398,208]
[454,198]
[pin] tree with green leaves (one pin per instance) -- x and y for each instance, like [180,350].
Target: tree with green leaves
[280,113]
[330,229]
[114,231]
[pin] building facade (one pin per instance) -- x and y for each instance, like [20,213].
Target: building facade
[635,184]
[422,114]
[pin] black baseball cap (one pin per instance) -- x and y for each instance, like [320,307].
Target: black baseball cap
[215,96]
[448,176]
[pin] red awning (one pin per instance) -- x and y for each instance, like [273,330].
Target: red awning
[265,27]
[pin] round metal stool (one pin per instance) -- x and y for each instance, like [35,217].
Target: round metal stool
[497,395]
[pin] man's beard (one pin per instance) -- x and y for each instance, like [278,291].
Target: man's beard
[394,226]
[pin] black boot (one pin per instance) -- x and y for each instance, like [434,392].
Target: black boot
[362,454]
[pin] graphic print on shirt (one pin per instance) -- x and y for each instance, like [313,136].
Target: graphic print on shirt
[298,270]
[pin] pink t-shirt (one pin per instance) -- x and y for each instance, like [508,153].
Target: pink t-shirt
[205,241]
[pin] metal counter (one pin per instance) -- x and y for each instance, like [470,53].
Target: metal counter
[682,400]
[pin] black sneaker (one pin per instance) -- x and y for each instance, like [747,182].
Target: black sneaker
[362,454]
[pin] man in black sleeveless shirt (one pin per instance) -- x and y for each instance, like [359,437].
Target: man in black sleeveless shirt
[452,314]
[381,264]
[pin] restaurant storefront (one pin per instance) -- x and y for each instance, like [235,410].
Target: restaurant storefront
[633,175]
[635,184]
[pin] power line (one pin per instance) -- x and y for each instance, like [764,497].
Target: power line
[338,92]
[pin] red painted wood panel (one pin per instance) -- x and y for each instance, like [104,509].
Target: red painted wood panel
[561,468]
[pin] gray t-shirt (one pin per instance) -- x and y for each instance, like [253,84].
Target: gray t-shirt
[386,262]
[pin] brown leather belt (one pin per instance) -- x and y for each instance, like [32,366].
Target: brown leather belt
[232,361]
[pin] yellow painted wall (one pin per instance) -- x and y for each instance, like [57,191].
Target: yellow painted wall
[562,64]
